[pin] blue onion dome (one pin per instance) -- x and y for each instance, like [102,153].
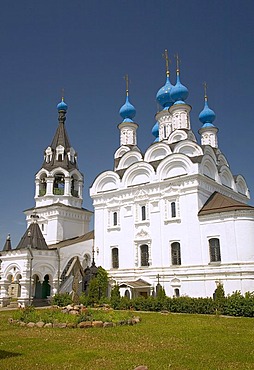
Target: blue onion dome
[179,92]
[207,115]
[127,111]
[163,96]
[155,132]
[62,106]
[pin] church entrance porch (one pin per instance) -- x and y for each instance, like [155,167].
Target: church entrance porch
[136,288]
[42,290]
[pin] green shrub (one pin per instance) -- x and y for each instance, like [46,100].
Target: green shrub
[115,297]
[61,299]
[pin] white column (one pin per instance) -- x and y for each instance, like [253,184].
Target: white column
[37,187]
[67,186]
[50,181]
[80,189]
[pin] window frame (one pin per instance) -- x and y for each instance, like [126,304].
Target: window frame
[144,255]
[214,250]
[115,258]
[175,248]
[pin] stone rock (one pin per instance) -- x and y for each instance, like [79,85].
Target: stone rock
[62,325]
[71,325]
[85,324]
[69,307]
[142,367]
[22,323]
[76,307]
[48,325]
[30,324]
[108,325]
[97,324]
[165,312]
[40,324]
[73,312]
[137,319]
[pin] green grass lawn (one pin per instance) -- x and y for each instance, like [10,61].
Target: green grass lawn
[173,341]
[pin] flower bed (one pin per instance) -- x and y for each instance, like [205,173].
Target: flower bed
[72,316]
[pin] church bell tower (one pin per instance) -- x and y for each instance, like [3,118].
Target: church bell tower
[58,189]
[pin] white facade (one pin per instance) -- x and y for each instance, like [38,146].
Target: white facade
[147,222]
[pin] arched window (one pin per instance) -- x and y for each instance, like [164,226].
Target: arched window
[175,253]
[177,292]
[74,187]
[58,187]
[173,209]
[127,294]
[42,186]
[143,213]
[144,255]
[115,219]
[165,131]
[115,258]
[214,246]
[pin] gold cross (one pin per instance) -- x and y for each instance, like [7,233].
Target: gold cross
[126,77]
[205,89]
[178,61]
[167,60]
[62,91]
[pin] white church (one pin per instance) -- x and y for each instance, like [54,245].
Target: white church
[174,214]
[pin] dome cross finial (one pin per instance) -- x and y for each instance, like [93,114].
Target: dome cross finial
[167,61]
[126,77]
[178,61]
[62,93]
[205,90]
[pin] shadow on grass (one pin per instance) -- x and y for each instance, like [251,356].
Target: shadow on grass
[6,354]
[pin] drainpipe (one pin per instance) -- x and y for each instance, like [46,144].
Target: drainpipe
[31,268]
[58,272]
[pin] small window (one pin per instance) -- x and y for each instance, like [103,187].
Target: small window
[214,246]
[115,219]
[143,213]
[175,253]
[127,294]
[177,292]
[60,158]
[144,255]
[42,227]
[165,132]
[173,209]
[115,258]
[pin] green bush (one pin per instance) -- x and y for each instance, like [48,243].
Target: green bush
[61,299]
[115,297]
[233,305]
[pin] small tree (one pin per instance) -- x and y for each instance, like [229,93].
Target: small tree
[219,297]
[115,297]
[93,292]
[98,286]
[102,278]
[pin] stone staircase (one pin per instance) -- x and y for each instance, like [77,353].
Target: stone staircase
[13,304]
[37,302]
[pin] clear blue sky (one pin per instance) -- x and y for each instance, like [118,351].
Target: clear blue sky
[87,47]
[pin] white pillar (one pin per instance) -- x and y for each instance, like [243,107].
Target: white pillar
[67,186]
[50,181]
